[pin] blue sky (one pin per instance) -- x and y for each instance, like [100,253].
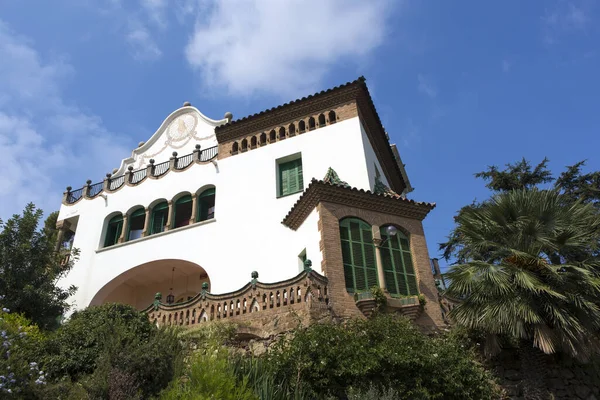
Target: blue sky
[459,85]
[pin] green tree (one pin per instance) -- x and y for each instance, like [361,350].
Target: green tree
[30,269]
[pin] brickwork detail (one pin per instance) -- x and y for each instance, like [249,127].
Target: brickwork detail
[298,126]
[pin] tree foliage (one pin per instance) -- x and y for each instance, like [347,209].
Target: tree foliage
[525,278]
[30,269]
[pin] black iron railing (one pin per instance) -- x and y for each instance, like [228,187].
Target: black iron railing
[75,195]
[95,189]
[183,162]
[161,169]
[138,176]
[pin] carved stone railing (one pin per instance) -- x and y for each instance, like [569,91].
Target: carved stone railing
[133,178]
[301,295]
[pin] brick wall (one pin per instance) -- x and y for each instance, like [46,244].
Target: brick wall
[343,303]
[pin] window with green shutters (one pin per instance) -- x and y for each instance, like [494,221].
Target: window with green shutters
[182,211]
[358,254]
[206,205]
[398,270]
[113,230]
[290,177]
[158,220]
[136,224]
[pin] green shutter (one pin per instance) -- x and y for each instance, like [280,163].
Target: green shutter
[290,177]
[113,230]
[397,265]
[358,254]
[159,216]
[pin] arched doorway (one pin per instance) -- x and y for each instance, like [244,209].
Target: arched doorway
[137,286]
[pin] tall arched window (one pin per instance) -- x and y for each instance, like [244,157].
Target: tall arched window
[183,211]
[397,263]
[311,123]
[136,224]
[272,136]
[158,221]
[292,129]
[263,138]
[281,133]
[234,147]
[358,254]
[206,205]
[113,230]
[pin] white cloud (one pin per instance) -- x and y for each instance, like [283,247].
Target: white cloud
[564,17]
[45,142]
[281,47]
[426,86]
[143,46]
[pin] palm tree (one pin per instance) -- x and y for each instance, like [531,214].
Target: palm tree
[522,275]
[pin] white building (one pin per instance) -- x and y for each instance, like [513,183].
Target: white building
[206,200]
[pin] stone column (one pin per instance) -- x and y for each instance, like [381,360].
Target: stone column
[146,223]
[123,236]
[169,215]
[377,241]
[194,208]
[62,227]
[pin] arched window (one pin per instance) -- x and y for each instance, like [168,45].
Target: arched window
[206,205]
[321,120]
[253,142]
[301,126]
[397,263]
[272,136]
[281,133]
[358,254]
[311,123]
[234,147]
[263,138]
[244,145]
[113,230]
[158,220]
[332,117]
[136,224]
[292,129]
[183,211]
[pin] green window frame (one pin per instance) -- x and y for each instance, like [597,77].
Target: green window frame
[177,213]
[398,267]
[358,254]
[140,212]
[159,217]
[290,177]
[114,229]
[206,205]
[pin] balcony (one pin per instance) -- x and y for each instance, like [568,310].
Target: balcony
[133,178]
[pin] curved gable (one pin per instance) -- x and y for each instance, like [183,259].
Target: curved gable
[181,131]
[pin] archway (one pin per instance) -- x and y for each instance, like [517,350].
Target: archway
[137,286]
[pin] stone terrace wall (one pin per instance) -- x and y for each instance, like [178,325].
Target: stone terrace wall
[563,378]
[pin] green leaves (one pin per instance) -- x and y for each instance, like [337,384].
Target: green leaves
[527,270]
[30,269]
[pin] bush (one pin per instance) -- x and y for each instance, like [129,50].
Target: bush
[209,373]
[113,351]
[385,352]
[20,343]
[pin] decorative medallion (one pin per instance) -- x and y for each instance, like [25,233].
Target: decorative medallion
[182,127]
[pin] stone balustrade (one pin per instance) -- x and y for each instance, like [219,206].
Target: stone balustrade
[256,304]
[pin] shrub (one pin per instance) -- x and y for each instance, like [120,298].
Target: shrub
[20,342]
[385,352]
[113,350]
[209,374]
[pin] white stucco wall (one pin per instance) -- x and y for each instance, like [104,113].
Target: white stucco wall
[246,234]
[371,160]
